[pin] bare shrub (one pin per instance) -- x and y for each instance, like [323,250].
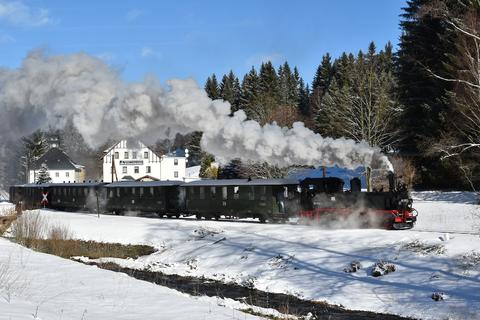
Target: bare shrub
[10,280]
[28,227]
[420,247]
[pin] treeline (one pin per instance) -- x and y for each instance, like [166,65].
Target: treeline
[420,104]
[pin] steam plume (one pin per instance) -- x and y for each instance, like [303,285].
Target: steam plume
[49,90]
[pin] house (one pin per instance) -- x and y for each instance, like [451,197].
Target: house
[133,160]
[59,167]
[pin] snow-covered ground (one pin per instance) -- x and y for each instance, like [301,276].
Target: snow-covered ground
[40,286]
[309,262]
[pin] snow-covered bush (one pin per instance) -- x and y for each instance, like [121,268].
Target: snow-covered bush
[382,268]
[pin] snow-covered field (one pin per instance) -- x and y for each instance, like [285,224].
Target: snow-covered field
[40,286]
[301,260]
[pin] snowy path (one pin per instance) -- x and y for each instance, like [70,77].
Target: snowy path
[40,286]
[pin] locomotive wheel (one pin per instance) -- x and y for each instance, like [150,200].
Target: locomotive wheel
[217,217]
[198,216]
[262,218]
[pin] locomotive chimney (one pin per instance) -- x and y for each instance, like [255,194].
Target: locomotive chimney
[355,185]
[391,181]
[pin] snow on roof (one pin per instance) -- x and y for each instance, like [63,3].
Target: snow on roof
[164,183]
[192,172]
[243,182]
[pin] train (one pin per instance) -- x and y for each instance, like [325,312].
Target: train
[319,200]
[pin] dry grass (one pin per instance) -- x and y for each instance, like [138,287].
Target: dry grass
[67,248]
[420,247]
[35,231]
[29,227]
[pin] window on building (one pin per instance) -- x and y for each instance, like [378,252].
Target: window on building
[175,174]
[134,155]
[145,155]
[117,155]
[124,169]
[175,161]
[136,170]
[149,169]
[67,174]
[57,174]
[126,155]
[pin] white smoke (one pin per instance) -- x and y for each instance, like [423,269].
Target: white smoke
[46,91]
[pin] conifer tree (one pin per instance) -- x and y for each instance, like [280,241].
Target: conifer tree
[211,87]
[230,90]
[43,176]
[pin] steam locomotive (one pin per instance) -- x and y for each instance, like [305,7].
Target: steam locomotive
[276,200]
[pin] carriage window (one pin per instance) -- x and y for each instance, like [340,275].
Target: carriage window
[118,192]
[133,191]
[202,192]
[251,193]
[285,192]
[213,192]
[141,191]
[85,192]
[151,191]
[111,193]
[224,193]
[64,191]
[236,192]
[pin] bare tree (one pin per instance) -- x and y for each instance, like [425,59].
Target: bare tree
[367,110]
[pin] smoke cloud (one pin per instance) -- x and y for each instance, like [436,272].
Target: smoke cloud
[47,91]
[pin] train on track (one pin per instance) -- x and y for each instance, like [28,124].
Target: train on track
[273,200]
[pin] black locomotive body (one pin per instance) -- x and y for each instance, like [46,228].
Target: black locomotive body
[325,200]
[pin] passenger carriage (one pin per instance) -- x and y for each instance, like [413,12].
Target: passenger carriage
[264,199]
[162,197]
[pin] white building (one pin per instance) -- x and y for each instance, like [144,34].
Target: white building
[60,167]
[132,160]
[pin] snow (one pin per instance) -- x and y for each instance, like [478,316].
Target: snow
[41,286]
[192,173]
[309,262]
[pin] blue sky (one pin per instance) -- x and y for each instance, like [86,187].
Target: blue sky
[179,39]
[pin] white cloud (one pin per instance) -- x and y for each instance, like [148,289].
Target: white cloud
[264,57]
[133,14]
[5,38]
[106,56]
[19,14]
[147,52]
